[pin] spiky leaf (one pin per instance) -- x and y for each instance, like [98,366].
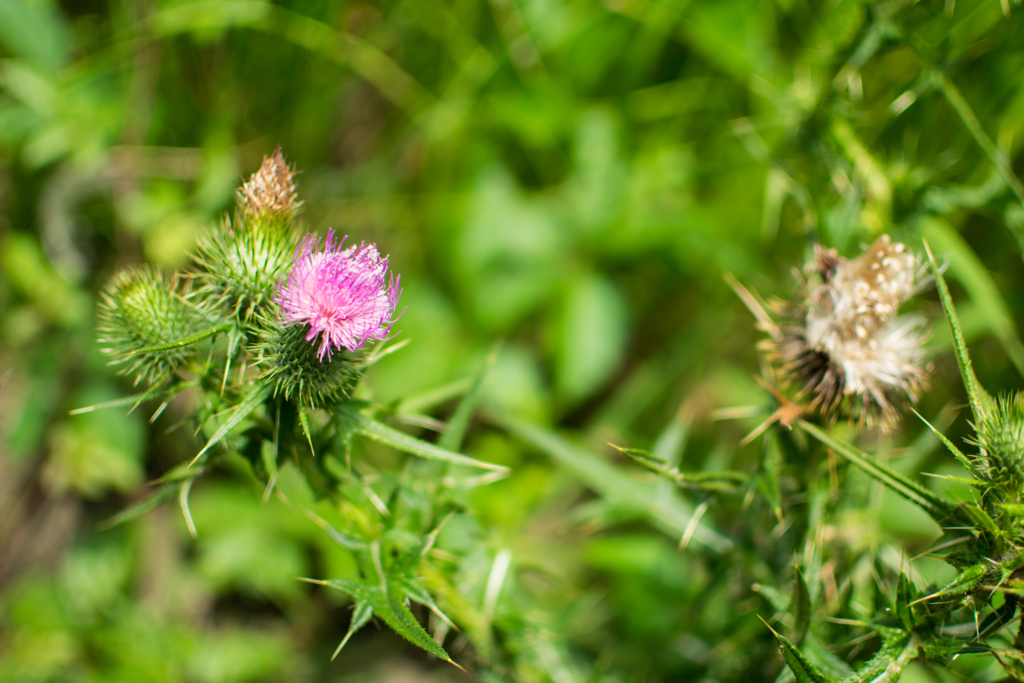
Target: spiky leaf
[905,593]
[392,437]
[979,398]
[253,400]
[968,579]
[799,664]
[800,607]
[709,481]
[935,505]
[387,601]
[144,506]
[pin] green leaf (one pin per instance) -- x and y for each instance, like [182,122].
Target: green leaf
[392,437]
[800,607]
[590,336]
[776,598]
[235,417]
[188,340]
[773,466]
[904,600]
[961,458]
[949,647]
[144,506]
[967,581]
[798,663]
[824,658]
[935,505]
[361,614]
[898,649]
[980,400]
[136,399]
[304,421]
[710,481]
[387,602]
[341,539]
[35,31]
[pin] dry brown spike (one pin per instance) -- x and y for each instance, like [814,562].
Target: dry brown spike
[271,189]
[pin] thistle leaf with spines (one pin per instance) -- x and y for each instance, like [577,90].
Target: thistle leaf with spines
[802,667]
[710,481]
[387,599]
[967,580]
[981,401]
[940,509]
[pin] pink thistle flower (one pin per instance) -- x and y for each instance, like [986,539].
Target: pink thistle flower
[345,295]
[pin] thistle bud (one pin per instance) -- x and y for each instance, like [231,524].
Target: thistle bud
[143,318]
[271,189]
[294,369]
[1000,434]
[842,346]
[242,261]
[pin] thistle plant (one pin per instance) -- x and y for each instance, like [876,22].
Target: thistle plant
[842,351]
[272,330]
[982,540]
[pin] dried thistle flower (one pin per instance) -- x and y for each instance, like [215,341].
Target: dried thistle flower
[271,189]
[841,344]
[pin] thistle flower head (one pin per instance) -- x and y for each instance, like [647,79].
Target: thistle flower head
[843,346]
[346,296]
[271,189]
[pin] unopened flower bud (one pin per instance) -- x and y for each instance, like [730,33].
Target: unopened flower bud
[271,189]
[1001,439]
[243,260]
[140,312]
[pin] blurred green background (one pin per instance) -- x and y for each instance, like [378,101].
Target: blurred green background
[569,176]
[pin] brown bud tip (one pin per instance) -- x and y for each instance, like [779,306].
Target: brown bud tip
[270,190]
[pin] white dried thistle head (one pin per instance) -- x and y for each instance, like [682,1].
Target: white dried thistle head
[843,347]
[271,189]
